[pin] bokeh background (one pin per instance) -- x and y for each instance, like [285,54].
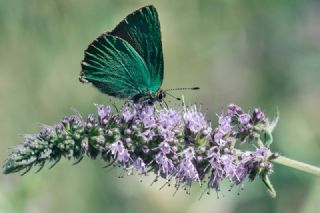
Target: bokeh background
[254,53]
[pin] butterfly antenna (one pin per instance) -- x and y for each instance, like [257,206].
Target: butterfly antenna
[179,99]
[184,88]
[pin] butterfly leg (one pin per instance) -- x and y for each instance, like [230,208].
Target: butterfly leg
[165,104]
[116,108]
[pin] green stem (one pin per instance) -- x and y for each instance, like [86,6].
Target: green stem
[297,165]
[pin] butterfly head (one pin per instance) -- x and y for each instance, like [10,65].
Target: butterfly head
[149,97]
[160,95]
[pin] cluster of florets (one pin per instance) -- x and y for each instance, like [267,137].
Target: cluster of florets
[177,145]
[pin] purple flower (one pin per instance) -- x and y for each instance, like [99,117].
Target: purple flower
[189,154]
[91,121]
[258,115]
[103,111]
[169,118]
[128,113]
[228,165]
[165,164]
[74,122]
[241,173]
[213,152]
[123,156]
[164,148]
[175,144]
[202,149]
[207,131]
[262,152]
[217,168]
[146,115]
[45,132]
[120,152]
[245,166]
[244,118]
[187,172]
[217,173]
[223,129]
[195,120]
[60,130]
[225,124]
[174,149]
[247,156]
[128,131]
[167,134]
[117,147]
[139,165]
[147,135]
[234,110]
[218,138]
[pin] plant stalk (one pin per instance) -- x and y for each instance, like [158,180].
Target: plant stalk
[297,165]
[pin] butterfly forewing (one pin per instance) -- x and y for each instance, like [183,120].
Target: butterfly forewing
[127,62]
[113,66]
[141,29]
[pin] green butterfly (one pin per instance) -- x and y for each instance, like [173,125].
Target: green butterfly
[128,61]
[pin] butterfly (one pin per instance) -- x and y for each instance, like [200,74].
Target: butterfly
[128,61]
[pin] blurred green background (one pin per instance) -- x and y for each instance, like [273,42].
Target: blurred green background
[253,53]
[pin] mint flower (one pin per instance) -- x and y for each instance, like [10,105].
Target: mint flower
[178,145]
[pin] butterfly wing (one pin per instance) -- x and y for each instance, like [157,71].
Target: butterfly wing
[114,67]
[141,29]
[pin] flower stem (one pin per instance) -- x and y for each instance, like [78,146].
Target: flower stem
[297,165]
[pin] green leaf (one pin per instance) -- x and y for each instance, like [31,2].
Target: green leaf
[264,175]
[266,137]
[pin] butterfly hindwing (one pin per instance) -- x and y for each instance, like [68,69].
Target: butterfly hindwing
[113,66]
[141,29]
